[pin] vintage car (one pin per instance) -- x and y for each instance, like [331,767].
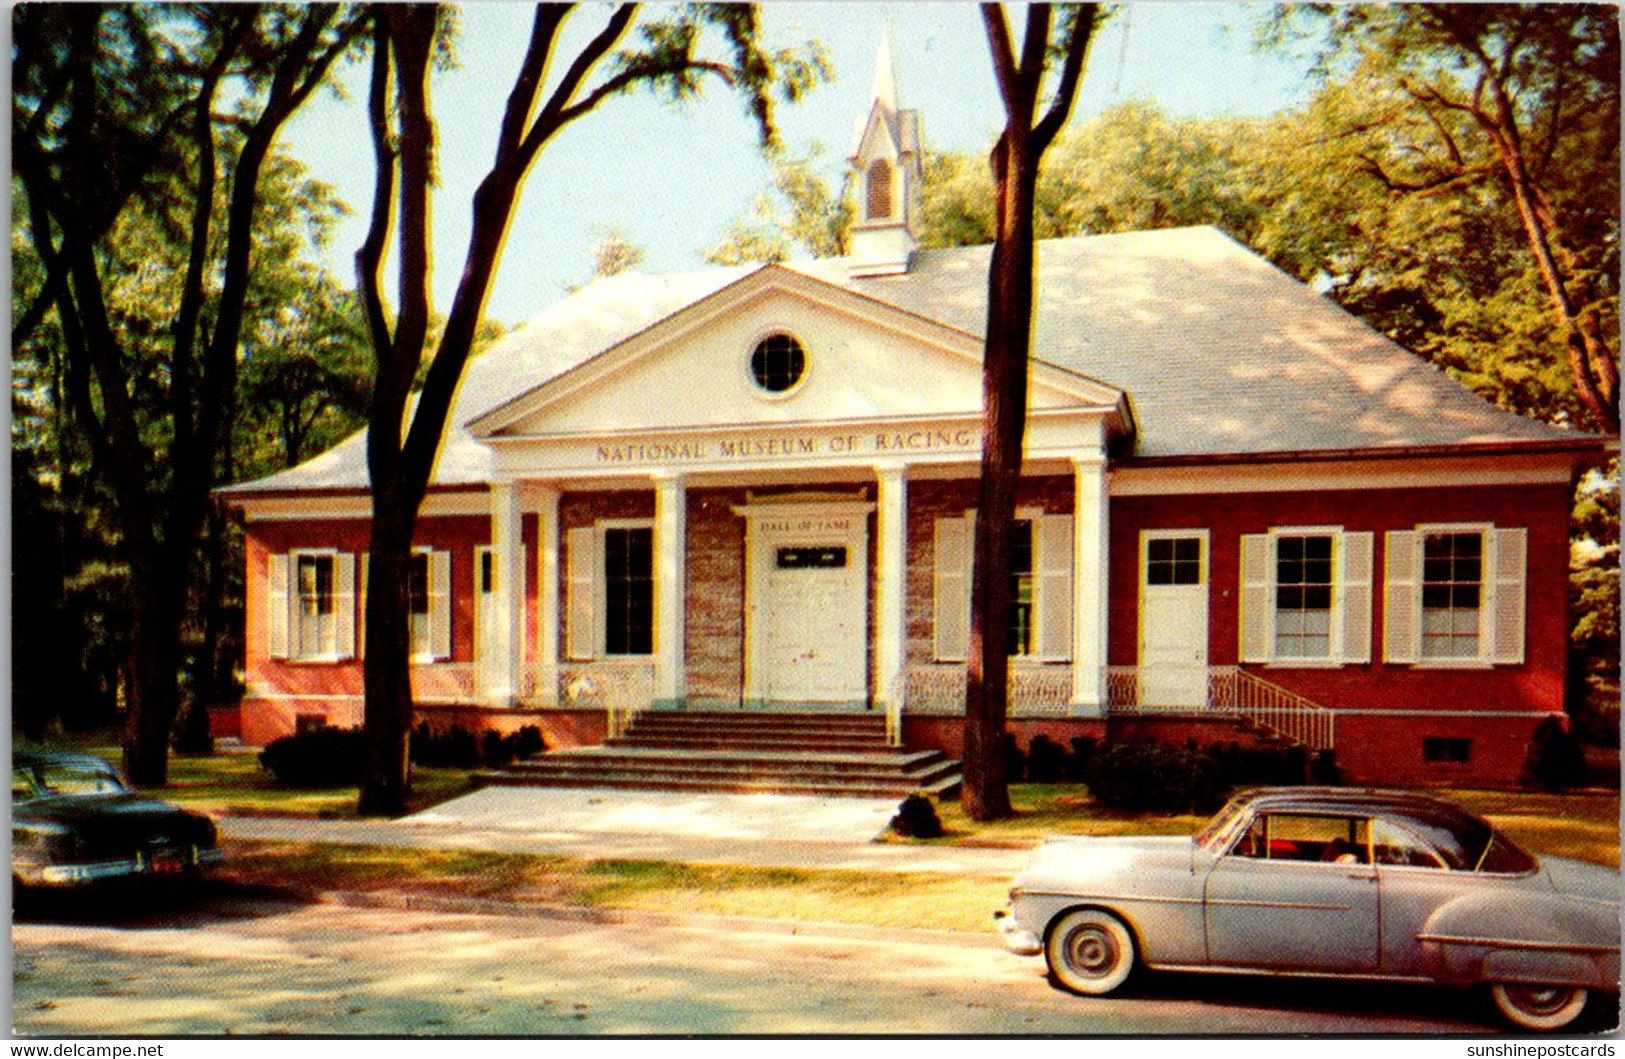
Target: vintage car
[75,822]
[1327,881]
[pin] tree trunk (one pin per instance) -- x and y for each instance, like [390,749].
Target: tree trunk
[1004,400]
[387,674]
[155,656]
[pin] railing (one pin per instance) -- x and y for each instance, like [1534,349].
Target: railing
[1035,690]
[1229,690]
[1299,719]
[446,682]
[621,690]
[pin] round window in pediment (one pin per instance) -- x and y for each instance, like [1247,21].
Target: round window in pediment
[778,363]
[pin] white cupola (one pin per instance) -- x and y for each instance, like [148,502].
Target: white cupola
[885,161]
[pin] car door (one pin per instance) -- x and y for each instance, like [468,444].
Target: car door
[1296,891]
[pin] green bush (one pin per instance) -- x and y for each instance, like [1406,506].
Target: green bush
[1083,751]
[322,757]
[1154,777]
[1554,760]
[1046,760]
[917,818]
[456,747]
[1261,766]
[1015,761]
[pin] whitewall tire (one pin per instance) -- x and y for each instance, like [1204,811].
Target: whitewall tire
[1538,1007]
[1090,951]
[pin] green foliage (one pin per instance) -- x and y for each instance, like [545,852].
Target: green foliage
[1154,777]
[1554,761]
[1046,760]
[1594,632]
[457,747]
[800,213]
[322,757]
[917,818]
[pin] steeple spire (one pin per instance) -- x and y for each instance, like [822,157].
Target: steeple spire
[886,162]
[886,73]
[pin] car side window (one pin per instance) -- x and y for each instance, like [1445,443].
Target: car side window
[1305,837]
[1395,846]
[22,785]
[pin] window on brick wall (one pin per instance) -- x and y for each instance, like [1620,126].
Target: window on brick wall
[310,605]
[1446,750]
[1041,583]
[1306,596]
[1454,594]
[610,590]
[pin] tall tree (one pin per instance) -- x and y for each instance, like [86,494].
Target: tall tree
[115,105]
[1031,124]
[1522,102]
[801,213]
[404,436]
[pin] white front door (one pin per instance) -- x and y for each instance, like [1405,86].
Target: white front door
[809,607]
[1173,618]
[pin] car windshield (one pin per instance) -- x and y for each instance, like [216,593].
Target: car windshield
[64,777]
[1221,830]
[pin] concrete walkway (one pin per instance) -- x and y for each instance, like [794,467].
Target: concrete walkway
[757,830]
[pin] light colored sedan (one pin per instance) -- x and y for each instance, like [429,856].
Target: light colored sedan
[1327,881]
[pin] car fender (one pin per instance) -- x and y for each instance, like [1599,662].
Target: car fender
[1522,936]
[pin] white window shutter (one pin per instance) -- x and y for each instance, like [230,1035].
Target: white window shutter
[1504,577]
[1354,584]
[1402,597]
[344,605]
[951,590]
[361,606]
[277,607]
[582,634]
[1052,561]
[440,606]
[1257,597]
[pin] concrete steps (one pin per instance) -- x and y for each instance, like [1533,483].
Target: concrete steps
[786,753]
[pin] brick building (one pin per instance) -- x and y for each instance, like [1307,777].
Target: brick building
[752,489]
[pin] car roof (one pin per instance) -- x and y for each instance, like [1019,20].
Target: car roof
[1345,799]
[32,757]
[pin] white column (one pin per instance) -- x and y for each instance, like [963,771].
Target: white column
[547,596]
[671,581]
[891,625]
[1090,535]
[506,642]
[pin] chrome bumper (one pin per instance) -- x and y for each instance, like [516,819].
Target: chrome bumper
[141,865]
[1019,941]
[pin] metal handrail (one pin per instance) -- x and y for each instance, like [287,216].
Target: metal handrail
[1234,691]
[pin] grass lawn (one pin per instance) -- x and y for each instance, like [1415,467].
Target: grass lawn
[885,899]
[231,782]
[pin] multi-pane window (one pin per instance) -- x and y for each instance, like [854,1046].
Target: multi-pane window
[1021,588]
[1303,596]
[1452,591]
[777,363]
[417,587]
[629,591]
[1173,561]
[315,627]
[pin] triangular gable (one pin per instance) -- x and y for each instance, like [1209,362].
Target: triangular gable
[866,360]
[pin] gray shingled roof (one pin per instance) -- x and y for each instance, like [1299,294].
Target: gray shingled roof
[1220,352]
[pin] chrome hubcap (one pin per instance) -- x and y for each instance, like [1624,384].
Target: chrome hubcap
[1092,951]
[1541,1000]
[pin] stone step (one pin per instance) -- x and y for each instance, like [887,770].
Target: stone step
[893,761]
[842,722]
[940,788]
[720,740]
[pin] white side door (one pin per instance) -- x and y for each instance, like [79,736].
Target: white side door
[1173,618]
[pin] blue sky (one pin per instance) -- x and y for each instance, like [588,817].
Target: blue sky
[670,178]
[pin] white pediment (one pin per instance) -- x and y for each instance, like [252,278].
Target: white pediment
[865,361]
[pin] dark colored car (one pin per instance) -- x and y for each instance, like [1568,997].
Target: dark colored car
[75,822]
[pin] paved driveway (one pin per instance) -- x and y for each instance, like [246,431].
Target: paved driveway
[238,965]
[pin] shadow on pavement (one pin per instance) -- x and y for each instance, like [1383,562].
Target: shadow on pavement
[198,902]
[1353,997]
